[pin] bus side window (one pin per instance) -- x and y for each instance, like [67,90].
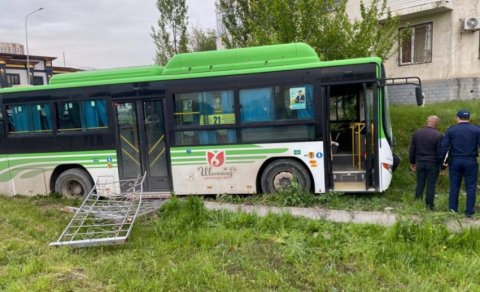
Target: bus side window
[29,118]
[82,115]
[276,104]
[205,109]
[257,105]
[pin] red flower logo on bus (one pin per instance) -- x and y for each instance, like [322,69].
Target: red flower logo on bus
[216,159]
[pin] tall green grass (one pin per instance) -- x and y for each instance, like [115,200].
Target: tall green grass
[186,247]
[406,119]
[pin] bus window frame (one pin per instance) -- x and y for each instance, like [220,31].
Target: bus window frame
[107,129]
[12,135]
[250,81]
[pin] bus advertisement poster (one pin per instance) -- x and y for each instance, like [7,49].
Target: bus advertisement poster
[297,98]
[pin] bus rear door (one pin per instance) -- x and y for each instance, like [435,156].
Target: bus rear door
[141,144]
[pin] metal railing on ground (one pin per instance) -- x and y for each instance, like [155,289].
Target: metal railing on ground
[106,217]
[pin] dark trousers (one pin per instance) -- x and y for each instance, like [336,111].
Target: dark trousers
[427,172]
[466,168]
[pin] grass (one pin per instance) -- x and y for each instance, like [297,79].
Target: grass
[186,247]
[400,196]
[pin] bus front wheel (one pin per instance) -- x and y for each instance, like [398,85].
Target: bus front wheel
[73,183]
[282,174]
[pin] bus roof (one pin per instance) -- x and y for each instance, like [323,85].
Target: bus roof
[201,64]
[107,74]
[240,59]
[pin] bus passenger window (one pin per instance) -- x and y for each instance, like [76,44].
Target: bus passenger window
[297,102]
[29,118]
[204,108]
[211,108]
[277,104]
[257,105]
[82,115]
[224,136]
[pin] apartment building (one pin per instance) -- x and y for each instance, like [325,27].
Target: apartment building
[443,48]
[13,67]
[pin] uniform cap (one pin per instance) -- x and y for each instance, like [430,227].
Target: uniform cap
[463,114]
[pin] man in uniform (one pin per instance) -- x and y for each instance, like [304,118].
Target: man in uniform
[424,156]
[461,142]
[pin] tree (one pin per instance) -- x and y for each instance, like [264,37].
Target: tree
[202,40]
[171,36]
[323,24]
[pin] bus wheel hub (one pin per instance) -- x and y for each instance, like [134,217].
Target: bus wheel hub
[283,180]
[74,188]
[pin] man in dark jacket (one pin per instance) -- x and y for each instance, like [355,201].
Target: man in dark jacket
[461,142]
[424,157]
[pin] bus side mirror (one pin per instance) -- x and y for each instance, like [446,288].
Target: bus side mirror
[419,96]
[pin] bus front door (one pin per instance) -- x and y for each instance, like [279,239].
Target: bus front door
[350,135]
[141,143]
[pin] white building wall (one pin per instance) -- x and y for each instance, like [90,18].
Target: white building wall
[442,51]
[454,54]
[353,8]
[466,53]
[21,72]
[40,66]
[454,72]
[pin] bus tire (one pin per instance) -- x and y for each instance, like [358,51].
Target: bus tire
[73,183]
[280,174]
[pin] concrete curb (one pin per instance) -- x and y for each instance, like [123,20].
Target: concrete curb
[339,216]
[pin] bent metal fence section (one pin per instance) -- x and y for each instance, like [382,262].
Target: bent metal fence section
[107,217]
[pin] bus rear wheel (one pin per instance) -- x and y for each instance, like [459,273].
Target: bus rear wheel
[73,183]
[283,174]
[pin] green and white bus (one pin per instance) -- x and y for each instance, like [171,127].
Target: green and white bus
[235,121]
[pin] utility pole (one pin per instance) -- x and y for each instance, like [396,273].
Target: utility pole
[26,42]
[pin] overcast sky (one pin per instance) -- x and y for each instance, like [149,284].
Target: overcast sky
[92,33]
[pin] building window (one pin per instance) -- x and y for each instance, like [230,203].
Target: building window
[38,80]
[417,46]
[13,79]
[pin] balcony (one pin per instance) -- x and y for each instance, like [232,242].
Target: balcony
[407,9]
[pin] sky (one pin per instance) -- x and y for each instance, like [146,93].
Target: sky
[92,34]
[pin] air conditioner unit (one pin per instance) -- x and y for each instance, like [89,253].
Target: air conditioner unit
[471,23]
